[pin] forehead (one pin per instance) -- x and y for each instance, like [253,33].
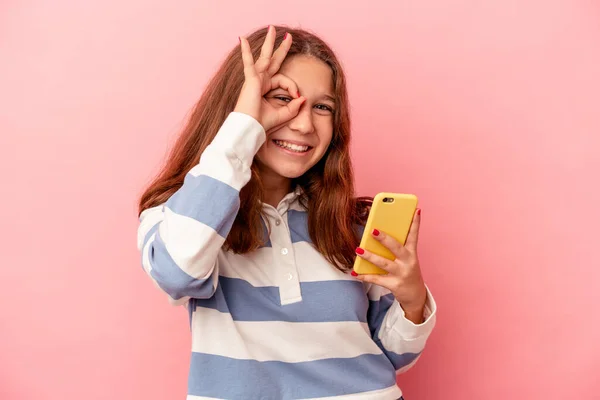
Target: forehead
[312,75]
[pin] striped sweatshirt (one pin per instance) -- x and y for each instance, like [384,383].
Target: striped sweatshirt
[280,322]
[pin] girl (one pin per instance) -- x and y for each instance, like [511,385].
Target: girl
[252,225]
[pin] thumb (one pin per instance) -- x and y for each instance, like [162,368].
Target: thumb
[288,112]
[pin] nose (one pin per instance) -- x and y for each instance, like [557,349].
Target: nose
[303,122]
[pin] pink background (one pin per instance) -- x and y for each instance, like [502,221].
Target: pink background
[488,110]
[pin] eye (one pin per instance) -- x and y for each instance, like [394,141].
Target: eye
[283,98]
[324,107]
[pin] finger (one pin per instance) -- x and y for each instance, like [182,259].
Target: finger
[266,50]
[289,111]
[247,58]
[381,262]
[392,244]
[280,54]
[282,81]
[264,59]
[381,280]
[413,234]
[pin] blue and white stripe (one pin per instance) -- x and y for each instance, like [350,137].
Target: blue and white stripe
[279,322]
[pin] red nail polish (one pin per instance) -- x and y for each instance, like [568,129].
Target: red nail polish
[285,36]
[360,251]
[298,93]
[418,211]
[353,273]
[375,232]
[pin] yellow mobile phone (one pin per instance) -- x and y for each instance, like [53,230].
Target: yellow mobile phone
[391,213]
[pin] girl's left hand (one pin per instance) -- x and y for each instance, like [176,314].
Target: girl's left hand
[404,277]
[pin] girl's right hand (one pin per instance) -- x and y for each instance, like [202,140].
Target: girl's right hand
[261,77]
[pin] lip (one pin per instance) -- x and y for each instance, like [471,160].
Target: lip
[296,142]
[290,152]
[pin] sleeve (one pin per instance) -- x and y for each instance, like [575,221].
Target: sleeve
[400,339]
[180,240]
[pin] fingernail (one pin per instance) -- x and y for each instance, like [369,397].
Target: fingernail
[418,211]
[359,251]
[285,36]
[298,93]
[375,232]
[353,273]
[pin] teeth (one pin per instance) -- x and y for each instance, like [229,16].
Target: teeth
[291,146]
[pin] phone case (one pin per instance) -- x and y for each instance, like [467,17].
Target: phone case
[393,218]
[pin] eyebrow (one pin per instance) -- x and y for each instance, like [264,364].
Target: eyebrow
[330,98]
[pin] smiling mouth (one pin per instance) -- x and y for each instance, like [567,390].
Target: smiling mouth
[291,146]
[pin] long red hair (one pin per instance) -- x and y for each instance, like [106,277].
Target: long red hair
[334,214]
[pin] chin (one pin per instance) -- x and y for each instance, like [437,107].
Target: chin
[290,172]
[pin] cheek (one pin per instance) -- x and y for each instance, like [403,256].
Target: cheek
[261,155]
[325,136]
[266,148]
